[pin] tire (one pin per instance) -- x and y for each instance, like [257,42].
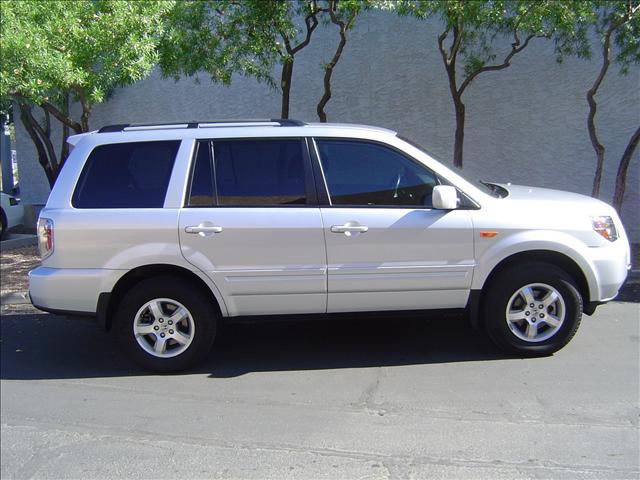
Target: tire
[168,307]
[515,326]
[3,223]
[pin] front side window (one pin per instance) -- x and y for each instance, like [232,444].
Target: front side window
[368,174]
[126,175]
[267,172]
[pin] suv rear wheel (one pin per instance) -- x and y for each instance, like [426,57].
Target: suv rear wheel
[532,309]
[166,325]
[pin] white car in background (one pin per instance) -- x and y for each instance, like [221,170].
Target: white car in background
[11,213]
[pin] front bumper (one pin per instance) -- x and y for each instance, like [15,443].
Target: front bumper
[611,265]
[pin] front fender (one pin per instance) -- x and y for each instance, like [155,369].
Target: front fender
[489,256]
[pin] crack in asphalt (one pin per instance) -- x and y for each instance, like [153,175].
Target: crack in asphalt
[389,462]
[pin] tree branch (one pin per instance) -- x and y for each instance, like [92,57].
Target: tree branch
[457,40]
[66,119]
[44,134]
[516,48]
[311,22]
[443,52]
[28,122]
[47,124]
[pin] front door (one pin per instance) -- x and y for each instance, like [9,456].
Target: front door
[387,249]
[252,224]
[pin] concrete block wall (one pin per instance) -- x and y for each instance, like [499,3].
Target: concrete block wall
[525,124]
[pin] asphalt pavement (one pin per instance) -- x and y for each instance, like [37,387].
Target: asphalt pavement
[388,398]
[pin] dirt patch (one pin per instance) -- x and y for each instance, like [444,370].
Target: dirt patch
[14,266]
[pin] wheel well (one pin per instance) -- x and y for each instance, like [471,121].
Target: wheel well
[131,278]
[558,259]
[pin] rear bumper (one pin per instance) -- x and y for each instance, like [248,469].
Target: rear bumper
[70,291]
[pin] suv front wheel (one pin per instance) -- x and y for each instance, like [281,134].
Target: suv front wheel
[532,309]
[165,325]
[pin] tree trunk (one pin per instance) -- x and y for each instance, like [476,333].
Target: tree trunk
[621,176]
[285,84]
[328,69]
[458,144]
[64,148]
[43,158]
[86,111]
[326,96]
[597,177]
[84,118]
[65,119]
[591,119]
[45,137]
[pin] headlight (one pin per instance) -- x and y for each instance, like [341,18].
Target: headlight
[605,227]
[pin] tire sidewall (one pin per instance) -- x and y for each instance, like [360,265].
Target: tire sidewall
[202,312]
[507,284]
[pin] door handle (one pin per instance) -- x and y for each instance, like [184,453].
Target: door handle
[349,228]
[203,230]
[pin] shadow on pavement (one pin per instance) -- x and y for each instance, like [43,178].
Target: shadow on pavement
[630,292]
[44,346]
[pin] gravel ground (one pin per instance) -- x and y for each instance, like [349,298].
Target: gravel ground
[14,266]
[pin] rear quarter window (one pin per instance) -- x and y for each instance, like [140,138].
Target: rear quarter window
[126,175]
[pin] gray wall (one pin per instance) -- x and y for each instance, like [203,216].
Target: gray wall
[525,124]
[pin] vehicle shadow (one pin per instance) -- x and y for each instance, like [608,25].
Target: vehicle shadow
[630,292]
[45,346]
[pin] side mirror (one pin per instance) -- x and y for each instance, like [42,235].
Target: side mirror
[445,197]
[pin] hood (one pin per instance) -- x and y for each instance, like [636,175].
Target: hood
[521,193]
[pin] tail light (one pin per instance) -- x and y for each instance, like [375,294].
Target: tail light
[45,237]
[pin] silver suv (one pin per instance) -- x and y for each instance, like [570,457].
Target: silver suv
[163,231]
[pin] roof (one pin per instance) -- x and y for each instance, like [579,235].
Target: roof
[225,125]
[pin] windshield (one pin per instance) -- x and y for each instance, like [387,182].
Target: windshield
[489,188]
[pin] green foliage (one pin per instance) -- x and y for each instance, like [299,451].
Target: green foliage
[85,47]
[621,19]
[223,37]
[479,23]
[248,37]
[627,35]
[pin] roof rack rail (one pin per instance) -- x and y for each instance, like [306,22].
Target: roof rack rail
[122,127]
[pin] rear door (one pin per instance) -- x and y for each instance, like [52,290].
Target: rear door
[252,223]
[387,249]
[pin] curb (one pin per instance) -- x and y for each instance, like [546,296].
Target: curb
[17,240]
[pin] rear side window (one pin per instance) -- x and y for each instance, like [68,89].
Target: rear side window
[259,172]
[126,175]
